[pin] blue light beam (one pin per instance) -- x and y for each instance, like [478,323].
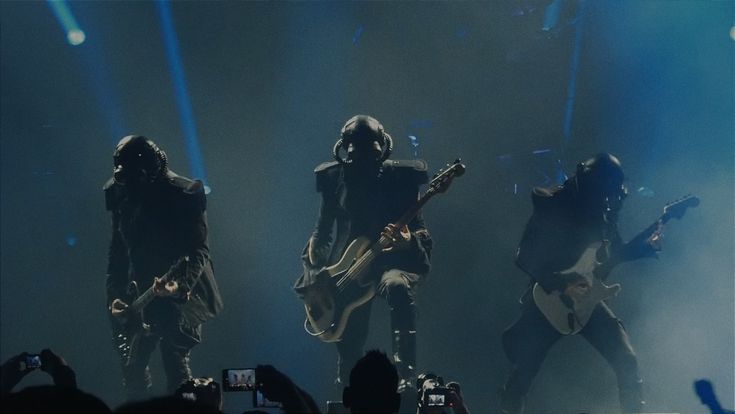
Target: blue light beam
[357,35]
[196,164]
[74,34]
[93,61]
[573,72]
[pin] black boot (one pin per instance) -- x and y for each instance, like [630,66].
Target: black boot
[403,327]
[404,356]
[511,402]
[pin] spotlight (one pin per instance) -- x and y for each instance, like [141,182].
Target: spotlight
[75,37]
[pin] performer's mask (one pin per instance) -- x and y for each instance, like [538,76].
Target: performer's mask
[365,141]
[138,161]
[600,183]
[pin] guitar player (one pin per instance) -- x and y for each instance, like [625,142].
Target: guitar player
[565,220]
[158,218]
[363,192]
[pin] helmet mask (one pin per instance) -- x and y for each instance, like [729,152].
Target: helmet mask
[600,184]
[365,141]
[138,161]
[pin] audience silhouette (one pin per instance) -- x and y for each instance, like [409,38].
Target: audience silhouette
[373,386]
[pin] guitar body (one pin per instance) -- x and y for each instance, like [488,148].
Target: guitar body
[127,331]
[328,308]
[566,320]
[568,315]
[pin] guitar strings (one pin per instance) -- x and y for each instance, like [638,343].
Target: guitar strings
[350,273]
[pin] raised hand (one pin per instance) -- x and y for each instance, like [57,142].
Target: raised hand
[400,239]
[12,371]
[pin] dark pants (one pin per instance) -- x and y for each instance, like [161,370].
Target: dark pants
[528,340]
[176,345]
[398,288]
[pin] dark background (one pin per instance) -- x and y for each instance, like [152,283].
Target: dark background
[271,84]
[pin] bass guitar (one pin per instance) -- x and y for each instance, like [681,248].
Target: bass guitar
[348,284]
[569,315]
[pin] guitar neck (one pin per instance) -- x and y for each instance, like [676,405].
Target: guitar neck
[376,248]
[143,300]
[675,209]
[606,267]
[414,210]
[406,217]
[146,297]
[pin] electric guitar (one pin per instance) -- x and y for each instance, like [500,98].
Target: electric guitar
[348,284]
[130,327]
[569,315]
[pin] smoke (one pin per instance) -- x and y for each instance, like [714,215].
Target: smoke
[272,83]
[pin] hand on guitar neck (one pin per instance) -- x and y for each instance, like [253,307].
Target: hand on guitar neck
[161,288]
[398,239]
[654,240]
[164,288]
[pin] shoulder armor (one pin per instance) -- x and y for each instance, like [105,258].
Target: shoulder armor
[412,170]
[326,175]
[108,184]
[418,165]
[541,193]
[192,190]
[325,166]
[179,181]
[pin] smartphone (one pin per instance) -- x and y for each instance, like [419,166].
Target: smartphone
[238,379]
[436,397]
[259,400]
[31,361]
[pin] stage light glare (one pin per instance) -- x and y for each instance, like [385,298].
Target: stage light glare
[75,37]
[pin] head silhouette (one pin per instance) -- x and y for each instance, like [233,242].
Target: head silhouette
[366,144]
[373,386]
[138,161]
[599,184]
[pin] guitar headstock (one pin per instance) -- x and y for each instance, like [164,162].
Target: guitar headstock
[443,179]
[677,208]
